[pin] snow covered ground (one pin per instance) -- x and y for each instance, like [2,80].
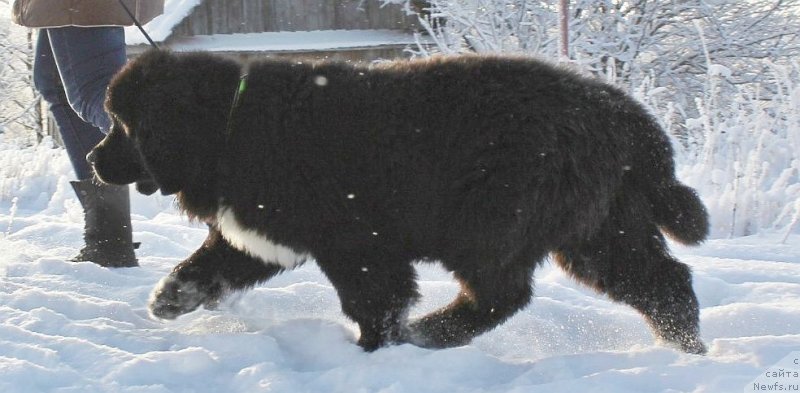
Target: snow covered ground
[77,327]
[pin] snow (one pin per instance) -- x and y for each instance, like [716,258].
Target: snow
[78,327]
[161,26]
[719,70]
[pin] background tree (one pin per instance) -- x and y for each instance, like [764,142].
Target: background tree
[20,111]
[673,43]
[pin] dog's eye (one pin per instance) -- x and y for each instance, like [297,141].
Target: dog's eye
[120,126]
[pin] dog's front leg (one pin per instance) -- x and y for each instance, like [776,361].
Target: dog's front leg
[216,268]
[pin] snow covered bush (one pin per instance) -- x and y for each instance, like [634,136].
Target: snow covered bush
[743,152]
[671,41]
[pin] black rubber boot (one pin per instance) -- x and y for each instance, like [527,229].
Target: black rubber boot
[107,224]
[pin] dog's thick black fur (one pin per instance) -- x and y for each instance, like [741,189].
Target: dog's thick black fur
[484,164]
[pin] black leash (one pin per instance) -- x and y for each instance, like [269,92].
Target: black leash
[139,25]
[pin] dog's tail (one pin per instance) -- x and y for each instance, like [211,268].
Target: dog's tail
[676,208]
[679,213]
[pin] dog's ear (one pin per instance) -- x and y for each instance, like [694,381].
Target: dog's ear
[167,154]
[129,86]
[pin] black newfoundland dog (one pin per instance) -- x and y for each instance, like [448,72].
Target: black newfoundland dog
[484,164]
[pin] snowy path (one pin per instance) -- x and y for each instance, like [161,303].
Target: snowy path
[76,327]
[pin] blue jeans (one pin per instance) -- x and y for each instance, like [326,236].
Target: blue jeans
[71,70]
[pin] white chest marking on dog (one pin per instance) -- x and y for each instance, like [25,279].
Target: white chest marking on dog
[256,244]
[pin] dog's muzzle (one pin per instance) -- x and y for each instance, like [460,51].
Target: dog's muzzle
[116,161]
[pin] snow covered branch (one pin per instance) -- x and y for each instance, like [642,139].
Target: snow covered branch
[19,109]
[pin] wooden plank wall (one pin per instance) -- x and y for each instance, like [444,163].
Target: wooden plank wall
[252,16]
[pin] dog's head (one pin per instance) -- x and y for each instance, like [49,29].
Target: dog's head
[116,161]
[168,113]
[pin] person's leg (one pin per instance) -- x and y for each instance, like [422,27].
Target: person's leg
[79,137]
[71,70]
[87,59]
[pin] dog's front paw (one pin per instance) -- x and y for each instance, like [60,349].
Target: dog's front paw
[173,297]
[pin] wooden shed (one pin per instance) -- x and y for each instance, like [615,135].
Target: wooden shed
[346,29]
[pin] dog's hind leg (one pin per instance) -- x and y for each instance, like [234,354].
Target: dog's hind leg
[628,260]
[490,293]
[215,269]
[375,291]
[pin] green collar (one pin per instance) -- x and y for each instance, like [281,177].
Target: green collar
[237,98]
